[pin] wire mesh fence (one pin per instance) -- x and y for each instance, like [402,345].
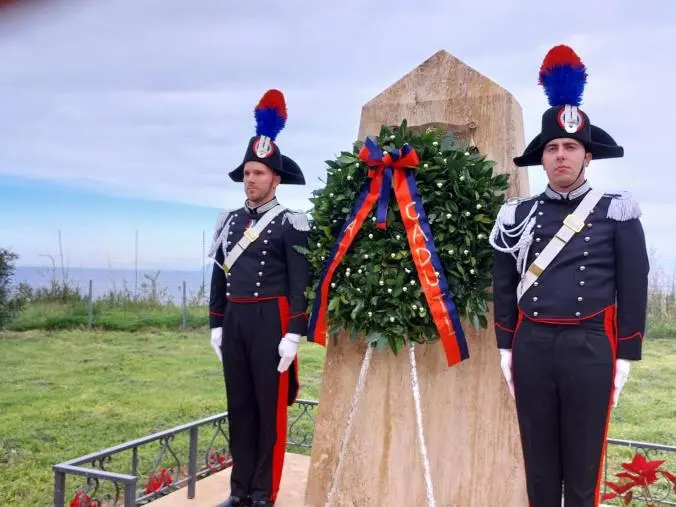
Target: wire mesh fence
[154,303]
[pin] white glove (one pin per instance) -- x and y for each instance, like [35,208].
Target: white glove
[622,367]
[287,349]
[216,340]
[506,365]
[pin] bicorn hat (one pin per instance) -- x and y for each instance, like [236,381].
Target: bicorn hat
[270,115]
[563,77]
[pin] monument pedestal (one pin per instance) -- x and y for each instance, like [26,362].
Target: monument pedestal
[469,418]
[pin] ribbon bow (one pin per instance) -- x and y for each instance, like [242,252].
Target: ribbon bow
[383,164]
[386,168]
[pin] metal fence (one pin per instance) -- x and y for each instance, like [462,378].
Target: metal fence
[137,472]
[96,303]
[142,470]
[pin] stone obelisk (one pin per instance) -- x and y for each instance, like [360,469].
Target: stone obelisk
[469,417]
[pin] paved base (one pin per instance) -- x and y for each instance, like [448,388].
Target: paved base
[214,489]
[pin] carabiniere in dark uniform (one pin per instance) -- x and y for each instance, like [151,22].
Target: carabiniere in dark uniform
[570,284]
[600,274]
[259,301]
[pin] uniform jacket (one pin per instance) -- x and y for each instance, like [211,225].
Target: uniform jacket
[604,265]
[269,268]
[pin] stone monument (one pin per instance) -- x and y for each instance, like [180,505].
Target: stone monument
[469,418]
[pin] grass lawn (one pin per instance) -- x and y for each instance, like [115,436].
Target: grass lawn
[68,393]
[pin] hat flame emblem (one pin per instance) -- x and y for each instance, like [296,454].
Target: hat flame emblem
[263,147]
[570,119]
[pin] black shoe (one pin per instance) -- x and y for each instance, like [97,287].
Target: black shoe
[235,501]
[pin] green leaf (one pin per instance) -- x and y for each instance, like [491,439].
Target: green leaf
[301,250]
[357,309]
[347,159]
[334,304]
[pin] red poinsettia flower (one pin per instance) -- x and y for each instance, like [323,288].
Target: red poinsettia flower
[154,483]
[670,476]
[166,477]
[216,461]
[641,471]
[81,499]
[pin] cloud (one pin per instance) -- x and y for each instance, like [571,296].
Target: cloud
[154,98]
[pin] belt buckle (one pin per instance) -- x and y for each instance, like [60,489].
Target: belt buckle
[573,223]
[251,234]
[535,269]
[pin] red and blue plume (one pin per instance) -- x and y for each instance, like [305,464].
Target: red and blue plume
[270,114]
[563,76]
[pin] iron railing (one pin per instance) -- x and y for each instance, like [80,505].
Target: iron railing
[622,451]
[114,475]
[142,470]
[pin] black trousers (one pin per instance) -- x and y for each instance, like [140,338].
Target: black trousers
[258,395]
[563,383]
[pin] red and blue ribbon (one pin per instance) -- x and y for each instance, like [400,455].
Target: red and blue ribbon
[386,168]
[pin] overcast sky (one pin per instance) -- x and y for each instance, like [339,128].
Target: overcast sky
[105,105]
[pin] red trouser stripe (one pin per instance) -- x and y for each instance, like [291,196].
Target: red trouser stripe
[282,395]
[609,315]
